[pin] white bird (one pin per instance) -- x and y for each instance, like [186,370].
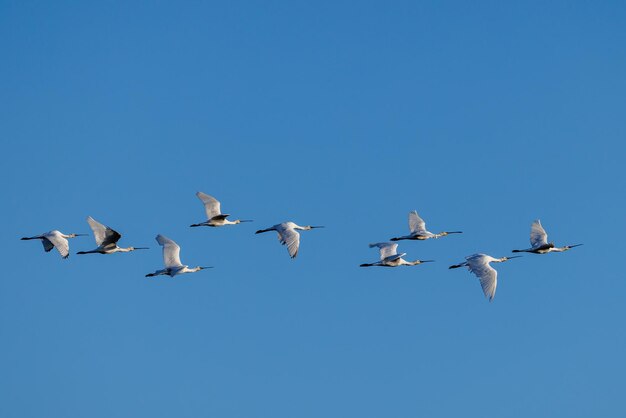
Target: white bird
[539,241]
[417,228]
[287,235]
[55,239]
[389,256]
[488,276]
[213,213]
[171,259]
[106,239]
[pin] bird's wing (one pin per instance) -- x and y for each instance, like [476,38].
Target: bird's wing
[60,243]
[211,205]
[538,235]
[290,238]
[171,252]
[387,249]
[487,275]
[103,234]
[47,245]
[416,224]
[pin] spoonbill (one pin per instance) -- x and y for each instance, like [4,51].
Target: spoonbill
[56,239]
[488,276]
[213,214]
[171,259]
[417,228]
[539,241]
[287,235]
[389,256]
[106,239]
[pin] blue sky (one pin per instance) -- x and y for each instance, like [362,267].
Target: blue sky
[481,116]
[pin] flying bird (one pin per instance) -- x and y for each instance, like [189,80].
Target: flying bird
[287,235]
[539,241]
[106,239]
[488,276]
[389,256]
[55,239]
[213,213]
[171,259]
[417,228]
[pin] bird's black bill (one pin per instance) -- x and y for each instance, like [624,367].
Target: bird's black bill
[246,220]
[427,261]
[142,248]
[575,245]
[514,256]
[314,227]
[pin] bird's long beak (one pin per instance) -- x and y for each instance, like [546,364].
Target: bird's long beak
[208,267]
[455,232]
[514,256]
[456,266]
[575,245]
[141,248]
[427,261]
[313,227]
[82,235]
[246,220]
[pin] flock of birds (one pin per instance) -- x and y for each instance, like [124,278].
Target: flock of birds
[288,235]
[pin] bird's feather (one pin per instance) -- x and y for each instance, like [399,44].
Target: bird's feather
[103,234]
[538,235]
[211,205]
[60,243]
[171,252]
[416,224]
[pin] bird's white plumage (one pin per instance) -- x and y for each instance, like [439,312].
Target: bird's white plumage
[538,235]
[60,243]
[416,224]
[488,276]
[387,249]
[171,252]
[99,230]
[211,205]
[288,236]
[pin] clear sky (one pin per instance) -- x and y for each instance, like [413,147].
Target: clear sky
[481,115]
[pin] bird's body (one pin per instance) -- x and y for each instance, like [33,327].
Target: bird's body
[417,229]
[389,256]
[55,239]
[215,218]
[106,239]
[539,241]
[288,235]
[488,276]
[171,259]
